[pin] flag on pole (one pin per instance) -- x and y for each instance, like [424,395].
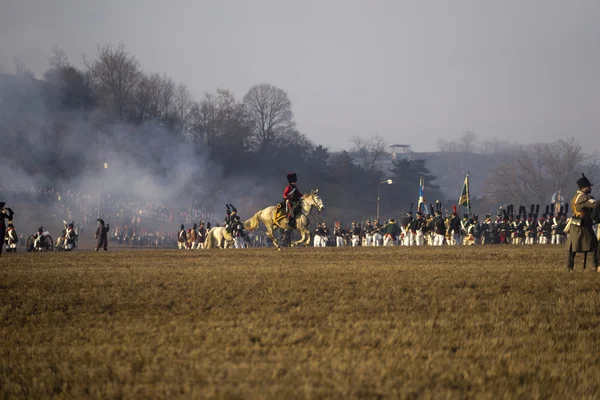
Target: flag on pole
[465,199]
[422,202]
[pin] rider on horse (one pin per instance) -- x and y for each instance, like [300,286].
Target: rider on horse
[292,197]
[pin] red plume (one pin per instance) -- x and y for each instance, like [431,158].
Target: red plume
[454,209]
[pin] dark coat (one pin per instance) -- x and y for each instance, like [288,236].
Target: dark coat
[582,238]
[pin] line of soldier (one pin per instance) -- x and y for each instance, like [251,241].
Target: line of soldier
[434,229]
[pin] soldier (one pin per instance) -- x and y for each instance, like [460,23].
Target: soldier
[486,229]
[368,233]
[439,228]
[239,235]
[101,235]
[416,229]
[201,235]
[518,229]
[377,235]
[325,234]
[582,238]
[454,228]
[292,197]
[181,238]
[192,237]
[11,239]
[476,229]
[338,232]
[5,213]
[356,234]
[405,226]
[70,237]
[391,232]
[317,240]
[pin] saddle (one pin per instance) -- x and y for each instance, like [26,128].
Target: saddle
[280,211]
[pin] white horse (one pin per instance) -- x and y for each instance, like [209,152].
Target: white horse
[218,237]
[271,221]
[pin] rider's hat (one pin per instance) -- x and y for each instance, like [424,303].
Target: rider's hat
[182,227]
[11,226]
[233,209]
[100,220]
[71,225]
[581,182]
[2,204]
[291,177]
[227,211]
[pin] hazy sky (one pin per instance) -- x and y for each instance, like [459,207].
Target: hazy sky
[410,71]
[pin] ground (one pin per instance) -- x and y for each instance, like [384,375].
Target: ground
[485,322]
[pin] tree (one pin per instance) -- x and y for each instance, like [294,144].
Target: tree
[116,74]
[406,175]
[58,62]
[369,152]
[270,112]
[468,141]
[183,103]
[21,70]
[533,173]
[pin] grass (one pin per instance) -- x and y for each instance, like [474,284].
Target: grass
[492,322]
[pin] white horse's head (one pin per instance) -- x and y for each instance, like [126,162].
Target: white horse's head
[315,200]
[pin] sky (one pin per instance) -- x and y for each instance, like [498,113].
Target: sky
[412,72]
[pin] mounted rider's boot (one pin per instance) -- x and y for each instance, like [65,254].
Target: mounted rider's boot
[291,221]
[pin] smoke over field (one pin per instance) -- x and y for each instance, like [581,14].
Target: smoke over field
[324,323]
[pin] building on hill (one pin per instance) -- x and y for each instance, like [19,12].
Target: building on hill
[399,151]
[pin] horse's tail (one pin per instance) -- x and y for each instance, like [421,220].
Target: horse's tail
[252,223]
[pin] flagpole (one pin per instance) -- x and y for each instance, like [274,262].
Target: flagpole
[468,196]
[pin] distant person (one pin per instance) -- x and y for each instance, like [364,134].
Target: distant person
[5,213]
[101,235]
[582,238]
[11,239]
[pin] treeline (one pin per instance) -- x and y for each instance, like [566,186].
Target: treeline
[59,129]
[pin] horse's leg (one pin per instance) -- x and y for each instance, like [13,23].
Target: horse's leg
[302,237]
[270,234]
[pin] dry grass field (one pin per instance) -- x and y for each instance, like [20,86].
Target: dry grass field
[494,322]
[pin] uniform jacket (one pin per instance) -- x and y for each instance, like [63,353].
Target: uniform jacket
[582,238]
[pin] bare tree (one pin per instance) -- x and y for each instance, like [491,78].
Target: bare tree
[532,173]
[116,73]
[468,141]
[270,112]
[167,97]
[183,103]
[21,70]
[369,152]
[58,62]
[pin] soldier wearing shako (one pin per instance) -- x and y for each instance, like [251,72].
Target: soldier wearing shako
[181,238]
[487,227]
[582,238]
[356,234]
[454,227]
[368,233]
[292,197]
[11,239]
[439,227]
[405,227]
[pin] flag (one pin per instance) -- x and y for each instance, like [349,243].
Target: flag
[422,200]
[465,200]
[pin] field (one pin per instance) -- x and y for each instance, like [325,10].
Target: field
[491,322]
